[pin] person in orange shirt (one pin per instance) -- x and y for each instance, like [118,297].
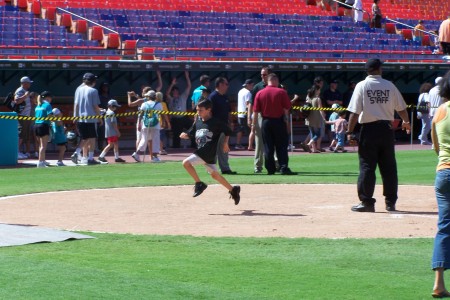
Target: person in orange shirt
[418,32]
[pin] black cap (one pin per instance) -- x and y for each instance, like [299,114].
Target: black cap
[248,81]
[334,81]
[89,77]
[45,94]
[373,64]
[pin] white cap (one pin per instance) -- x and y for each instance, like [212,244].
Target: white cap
[56,111]
[150,94]
[437,80]
[25,79]
[335,105]
[113,102]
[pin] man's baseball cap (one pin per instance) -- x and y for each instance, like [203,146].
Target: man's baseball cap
[89,77]
[373,64]
[150,94]
[334,81]
[25,79]
[437,80]
[248,81]
[335,105]
[56,111]
[45,94]
[113,102]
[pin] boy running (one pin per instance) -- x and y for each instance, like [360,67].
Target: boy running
[207,131]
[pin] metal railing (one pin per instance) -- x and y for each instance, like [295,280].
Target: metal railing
[412,27]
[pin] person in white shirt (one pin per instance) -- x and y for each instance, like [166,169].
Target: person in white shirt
[423,112]
[434,97]
[358,13]
[244,98]
[373,105]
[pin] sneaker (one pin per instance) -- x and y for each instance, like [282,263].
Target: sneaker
[119,160]
[390,207]
[92,162]
[234,193]
[74,158]
[163,152]
[27,155]
[426,143]
[84,161]
[41,164]
[136,157]
[239,147]
[258,170]
[59,163]
[102,159]
[335,150]
[46,163]
[199,188]
[20,155]
[36,155]
[229,172]
[156,159]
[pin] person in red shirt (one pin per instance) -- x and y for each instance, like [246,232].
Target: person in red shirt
[273,104]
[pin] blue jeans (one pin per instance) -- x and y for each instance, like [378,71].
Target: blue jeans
[441,251]
[426,128]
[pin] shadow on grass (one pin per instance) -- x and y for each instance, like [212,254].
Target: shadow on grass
[254,213]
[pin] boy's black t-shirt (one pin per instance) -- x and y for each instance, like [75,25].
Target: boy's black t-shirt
[207,134]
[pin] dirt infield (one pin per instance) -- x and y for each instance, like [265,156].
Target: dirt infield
[294,210]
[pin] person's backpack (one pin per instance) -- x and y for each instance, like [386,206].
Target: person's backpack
[151,119]
[306,109]
[423,107]
[8,102]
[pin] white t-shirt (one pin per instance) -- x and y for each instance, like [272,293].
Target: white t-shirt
[244,97]
[434,99]
[376,99]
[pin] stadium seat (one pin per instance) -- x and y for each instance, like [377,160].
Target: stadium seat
[96,33]
[148,53]
[50,14]
[81,26]
[65,20]
[129,48]
[407,34]
[36,7]
[390,28]
[426,40]
[22,4]
[112,41]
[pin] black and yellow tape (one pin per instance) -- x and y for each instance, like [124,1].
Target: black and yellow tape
[171,113]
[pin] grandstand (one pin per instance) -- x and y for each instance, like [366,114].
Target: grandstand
[194,30]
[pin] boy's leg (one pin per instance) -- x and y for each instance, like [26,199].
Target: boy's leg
[107,148]
[62,150]
[219,178]
[190,169]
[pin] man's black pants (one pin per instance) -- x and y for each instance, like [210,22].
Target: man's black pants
[275,138]
[376,147]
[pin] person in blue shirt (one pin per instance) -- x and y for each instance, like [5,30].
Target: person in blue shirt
[59,136]
[42,126]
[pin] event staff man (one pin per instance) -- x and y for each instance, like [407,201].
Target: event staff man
[273,104]
[373,104]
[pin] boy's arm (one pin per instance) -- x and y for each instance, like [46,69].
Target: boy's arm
[116,128]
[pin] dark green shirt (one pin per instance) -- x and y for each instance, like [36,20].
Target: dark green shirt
[256,88]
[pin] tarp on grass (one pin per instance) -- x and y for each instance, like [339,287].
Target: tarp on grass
[15,235]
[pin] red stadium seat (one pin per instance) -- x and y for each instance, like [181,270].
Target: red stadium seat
[50,14]
[148,53]
[36,7]
[81,26]
[390,28]
[407,34]
[22,4]
[66,20]
[112,41]
[426,40]
[96,33]
[129,47]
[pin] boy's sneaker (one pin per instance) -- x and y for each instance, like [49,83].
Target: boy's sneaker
[156,159]
[136,157]
[41,164]
[59,163]
[74,158]
[163,152]
[46,163]
[102,159]
[119,160]
[84,161]
[234,193]
[199,188]
[239,147]
[93,162]
[20,155]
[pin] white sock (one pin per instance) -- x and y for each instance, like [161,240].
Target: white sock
[103,154]
[116,154]
[78,151]
[91,155]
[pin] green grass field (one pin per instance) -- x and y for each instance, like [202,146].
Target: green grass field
[179,267]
